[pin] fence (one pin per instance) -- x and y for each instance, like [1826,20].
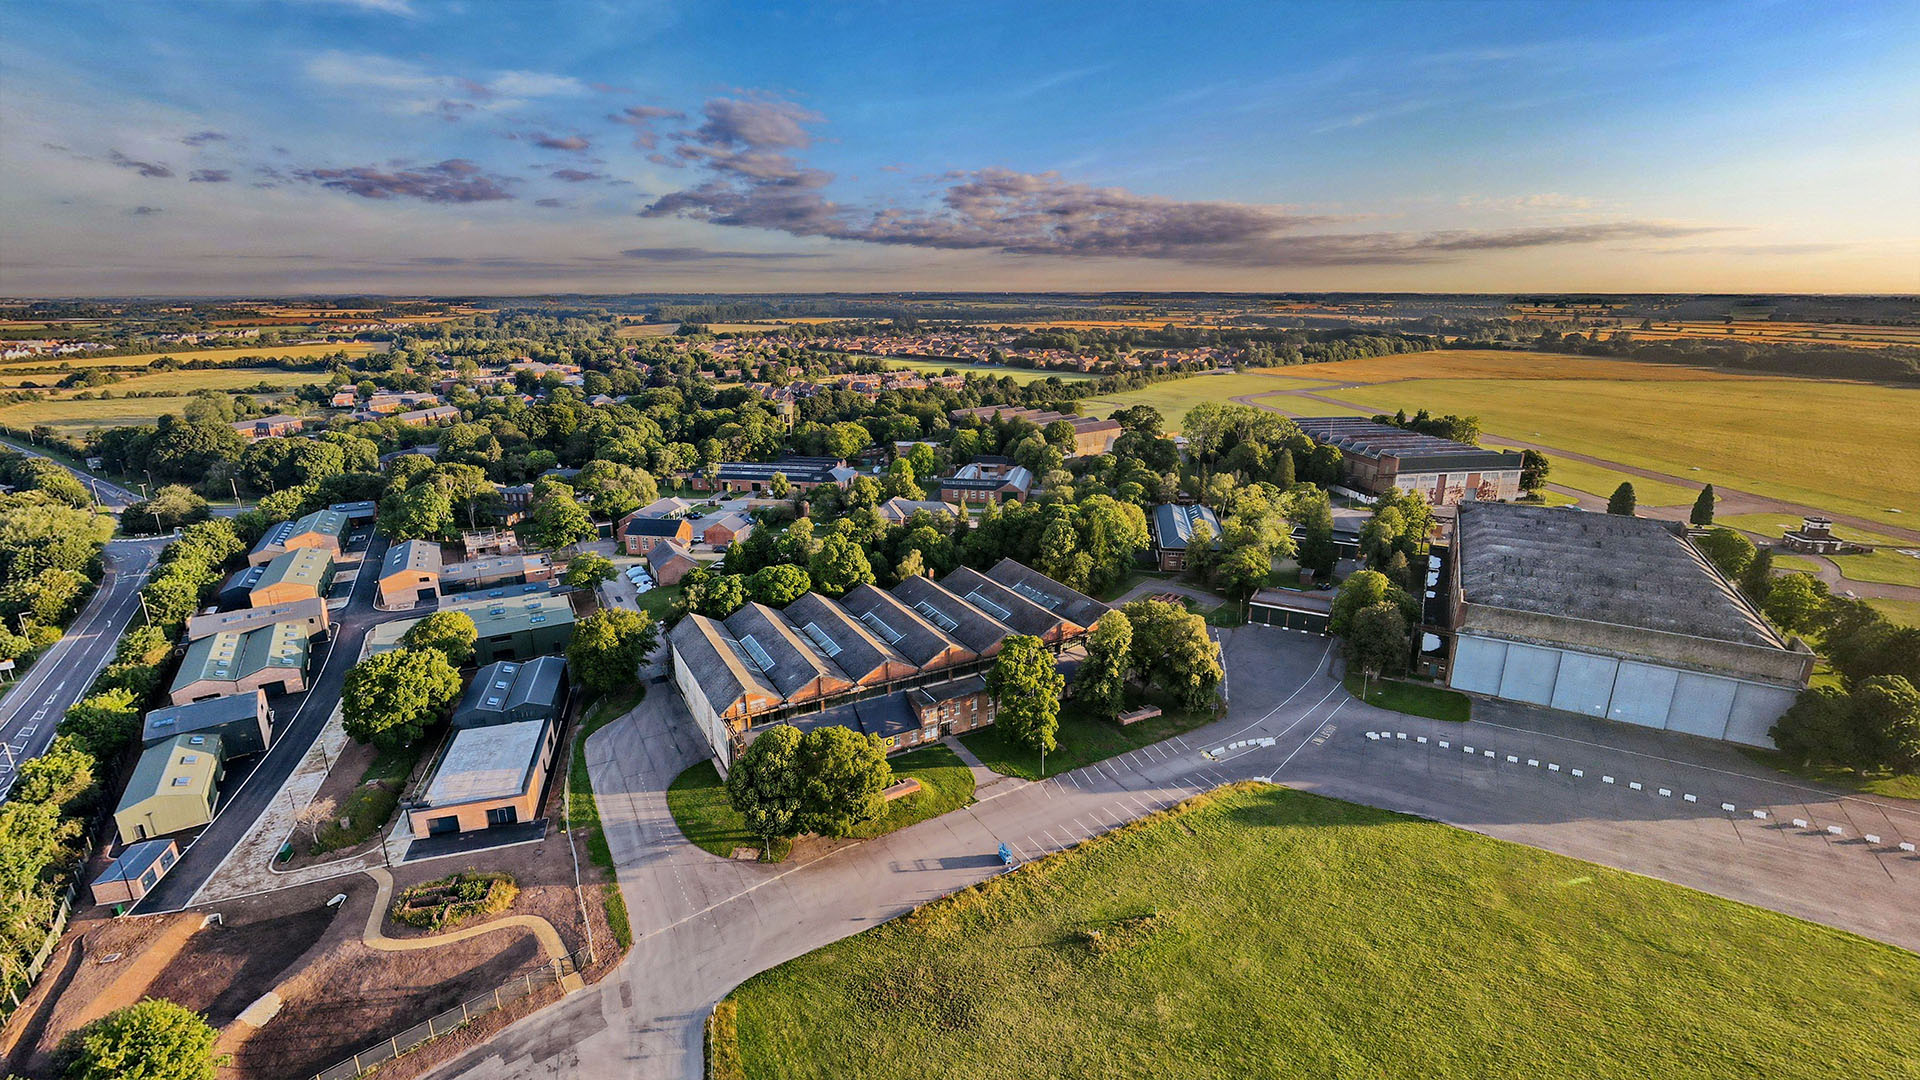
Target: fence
[520,986]
[17,991]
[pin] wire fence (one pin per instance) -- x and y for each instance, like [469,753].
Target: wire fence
[18,988]
[515,989]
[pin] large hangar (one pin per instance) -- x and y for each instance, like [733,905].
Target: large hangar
[1615,617]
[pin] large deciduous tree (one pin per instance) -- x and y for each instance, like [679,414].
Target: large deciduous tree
[839,565]
[451,633]
[1172,649]
[1100,685]
[390,699]
[843,773]
[1026,688]
[1376,639]
[764,785]
[609,646]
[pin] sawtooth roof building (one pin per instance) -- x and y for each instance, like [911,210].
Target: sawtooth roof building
[1615,617]
[1376,458]
[760,665]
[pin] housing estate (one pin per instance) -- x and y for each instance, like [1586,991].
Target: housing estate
[325,530]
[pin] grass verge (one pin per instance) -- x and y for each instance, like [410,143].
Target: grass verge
[1414,699]
[1082,741]
[368,809]
[584,811]
[1161,948]
[1889,784]
[698,800]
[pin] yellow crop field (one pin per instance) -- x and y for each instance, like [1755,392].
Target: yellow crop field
[70,415]
[1023,376]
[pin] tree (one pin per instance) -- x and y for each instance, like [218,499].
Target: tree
[839,565]
[1360,591]
[103,723]
[557,519]
[1534,469]
[1376,640]
[1026,688]
[313,815]
[1314,512]
[174,504]
[842,775]
[764,785]
[779,486]
[451,633]
[1757,579]
[588,570]
[609,646]
[1621,502]
[1728,550]
[1797,603]
[1100,686]
[1203,551]
[1818,729]
[778,585]
[1702,513]
[58,777]
[1886,710]
[152,1040]
[713,594]
[420,512]
[390,698]
[1172,649]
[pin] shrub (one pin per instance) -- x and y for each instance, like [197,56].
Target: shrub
[449,901]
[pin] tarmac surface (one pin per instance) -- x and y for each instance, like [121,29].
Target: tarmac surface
[704,924]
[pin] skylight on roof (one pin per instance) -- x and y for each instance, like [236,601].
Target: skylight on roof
[757,653]
[1045,600]
[879,626]
[939,618]
[988,606]
[819,638]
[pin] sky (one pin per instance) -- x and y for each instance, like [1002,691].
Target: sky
[277,147]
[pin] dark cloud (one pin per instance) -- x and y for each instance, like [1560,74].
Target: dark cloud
[151,169]
[575,176]
[693,254]
[642,118]
[452,181]
[453,111]
[210,176]
[549,203]
[575,143]
[145,211]
[752,181]
[201,138]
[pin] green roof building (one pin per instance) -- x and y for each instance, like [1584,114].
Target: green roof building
[174,787]
[517,623]
[271,658]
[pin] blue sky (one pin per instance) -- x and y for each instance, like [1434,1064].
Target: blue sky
[279,146]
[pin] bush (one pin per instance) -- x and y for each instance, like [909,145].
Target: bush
[447,902]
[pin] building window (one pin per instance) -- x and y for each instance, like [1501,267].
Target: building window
[502,815]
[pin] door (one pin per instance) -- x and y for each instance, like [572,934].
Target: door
[442,826]
[502,815]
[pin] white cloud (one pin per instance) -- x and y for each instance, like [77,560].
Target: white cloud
[409,87]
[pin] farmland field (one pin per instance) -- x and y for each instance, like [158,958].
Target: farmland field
[140,360]
[1265,932]
[1173,398]
[70,416]
[1749,432]
[1020,375]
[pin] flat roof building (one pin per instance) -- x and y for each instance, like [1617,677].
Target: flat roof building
[174,786]
[497,570]
[1615,617]
[801,473]
[311,613]
[488,777]
[986,479]
[1376,458]
[271,658]
[242,721]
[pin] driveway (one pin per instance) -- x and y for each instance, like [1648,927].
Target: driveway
[704,924]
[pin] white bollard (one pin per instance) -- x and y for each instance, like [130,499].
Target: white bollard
[1871,838]
[1577,772]
[1666,793]
[1606,779]
[1466,749]
[1836,830]
[1760,814]
[1373,735]
[1399,734]
[1907,847]
[1800,823]
[1635,785]
[1691,798]
[1551,767]
[1727,806]
[1486,753]
[1421,739]
[1445,745]
[1535,762]
[1512,760]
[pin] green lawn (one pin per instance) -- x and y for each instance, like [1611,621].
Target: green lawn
[1261,932]
[1892,785]
[1020,375]
[1175,397]
[1415,699]
[1905,612]
[1081,741]
[698,800]
[583,809]
[1601,481]
[659,601]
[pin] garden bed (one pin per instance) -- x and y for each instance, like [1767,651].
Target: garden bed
[445,903]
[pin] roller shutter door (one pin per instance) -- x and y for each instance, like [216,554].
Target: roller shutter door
[1755,708]
[1585,684]
[1529,674]
[1701,704]
[1477,663]
[1642,694]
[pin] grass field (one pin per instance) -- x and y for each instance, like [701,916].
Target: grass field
[698,800]
[1174,397]
[351,348]
[1601,481]
[1414,699]
[70,416]
[1261,932]
[1904,612]
[1081,742]
[1885,564]
[1020,375]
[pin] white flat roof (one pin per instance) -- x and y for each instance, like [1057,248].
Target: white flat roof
[486,763]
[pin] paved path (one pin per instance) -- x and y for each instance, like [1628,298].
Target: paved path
[1732,501]
[704,924]
[34,705]
[376,938]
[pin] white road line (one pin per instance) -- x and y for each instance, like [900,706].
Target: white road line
[1289,697]
[1309,738]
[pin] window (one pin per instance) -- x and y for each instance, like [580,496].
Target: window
[939,618]
[502,815]
[757,653]
[988,606]
[188,759]
[1045,600]
[182,781]
[196,740]
[878,626]
[819,637]
[493,702]
[147,879]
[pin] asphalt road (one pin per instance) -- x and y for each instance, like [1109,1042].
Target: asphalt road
[704,924]
[33,706]
[298,720]
[112,496]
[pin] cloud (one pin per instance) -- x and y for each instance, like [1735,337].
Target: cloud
[145,211]
[409,87]
[201,138]
[455,180]
[210,176]
[152,170]
[384,7]
[575,143]
[575,176]
[642,118]
[693,254]
[756,123]
[549,203]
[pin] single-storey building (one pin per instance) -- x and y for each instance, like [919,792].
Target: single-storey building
[271,658]
[665,507]
[488,777]
[519,625]
[322,529]
[509,692]
[134,874]
[913,717]
[1173,526]
[242,721]
[670,562]
[410,574]
[476,574]
[300,574]
[1293,609]
[311,613]
[725,529]
[174,786]
[358,512]
[897,510]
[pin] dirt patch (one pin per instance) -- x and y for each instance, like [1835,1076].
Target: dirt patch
[231,964]
[119,961]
